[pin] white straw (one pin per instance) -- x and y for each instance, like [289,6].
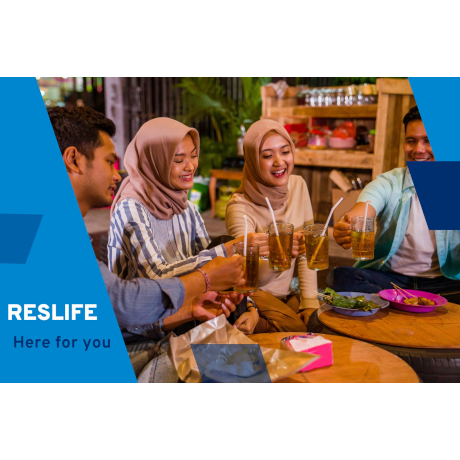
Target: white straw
[273,216]
[245,235]
[365,215]
[323,233]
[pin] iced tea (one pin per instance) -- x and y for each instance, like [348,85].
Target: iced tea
[251,267]
[363,245]
[362,238]
[317,248]
[280,247]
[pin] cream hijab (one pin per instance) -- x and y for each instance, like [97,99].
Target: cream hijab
[148,160]
[253,186]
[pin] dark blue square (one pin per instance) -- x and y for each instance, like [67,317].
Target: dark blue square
[236,363]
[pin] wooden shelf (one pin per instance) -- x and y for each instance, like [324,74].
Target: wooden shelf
[395,98]
[331,158]
[333,111]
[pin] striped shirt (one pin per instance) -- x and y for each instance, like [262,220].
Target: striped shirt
[142,246]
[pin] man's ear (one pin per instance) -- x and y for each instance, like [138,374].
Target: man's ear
[72,160]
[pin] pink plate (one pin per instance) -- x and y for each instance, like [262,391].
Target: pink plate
[397,300]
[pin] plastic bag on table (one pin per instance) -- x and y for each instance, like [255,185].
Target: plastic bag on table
[227,365]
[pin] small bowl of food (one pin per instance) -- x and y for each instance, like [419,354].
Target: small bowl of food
[353,303]
[342,144]
[412,300]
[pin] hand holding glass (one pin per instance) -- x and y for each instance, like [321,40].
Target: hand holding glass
[251,267]
[280,246]
[362,238]
[317,247]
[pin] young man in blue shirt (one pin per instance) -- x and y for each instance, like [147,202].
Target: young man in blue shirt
[406,252]
[143,307]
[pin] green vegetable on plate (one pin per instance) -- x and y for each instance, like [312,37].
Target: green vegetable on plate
[354,303]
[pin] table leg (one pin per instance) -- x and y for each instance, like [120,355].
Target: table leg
[212,195]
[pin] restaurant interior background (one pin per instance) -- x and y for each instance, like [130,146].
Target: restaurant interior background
[347,130]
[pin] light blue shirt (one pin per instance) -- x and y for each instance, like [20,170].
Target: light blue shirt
[391,195]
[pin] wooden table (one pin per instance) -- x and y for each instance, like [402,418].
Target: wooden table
[354,362]
[437,329]
[228,174]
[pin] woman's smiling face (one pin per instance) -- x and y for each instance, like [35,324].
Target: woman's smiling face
[276,159]
[184,165]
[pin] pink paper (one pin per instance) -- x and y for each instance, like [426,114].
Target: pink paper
[312,344]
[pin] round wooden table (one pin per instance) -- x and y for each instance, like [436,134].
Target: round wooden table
[354,362]
[437,329]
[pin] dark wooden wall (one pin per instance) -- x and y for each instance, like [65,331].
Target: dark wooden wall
[149,97]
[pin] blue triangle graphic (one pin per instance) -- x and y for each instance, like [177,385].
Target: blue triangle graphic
[61,267]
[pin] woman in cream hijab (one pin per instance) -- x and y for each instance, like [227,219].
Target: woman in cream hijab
[269,161]
[154,231]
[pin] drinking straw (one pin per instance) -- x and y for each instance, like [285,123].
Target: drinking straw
[330,215]
[313,257]
[323,233]
[273,216]
[276,228]
[245,235]
[364,223]
[365,216]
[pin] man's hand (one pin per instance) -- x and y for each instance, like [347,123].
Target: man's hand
[205,307]
[225,273]
[298,244]
[212,304]
[342,231]
[247,322]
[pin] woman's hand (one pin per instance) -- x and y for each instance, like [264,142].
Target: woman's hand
[258,238]
[247,322]
[262,240]
[212,304]
[298,244]
[225,273]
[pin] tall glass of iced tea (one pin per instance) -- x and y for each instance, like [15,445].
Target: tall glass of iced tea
[280,246]
[317,247]
[251,266]
[362,238]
